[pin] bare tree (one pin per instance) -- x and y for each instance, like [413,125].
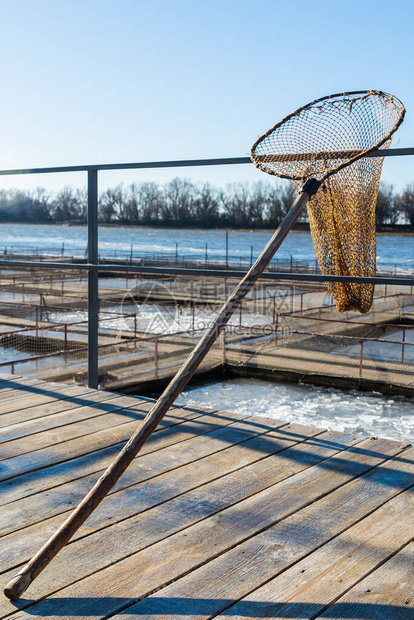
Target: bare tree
[149,202]
[274,207]
[131,197]
[206,206]
[178,202]
[82,198]
[385,209]
[111,204]
[287,196]
[406,203]
[65,206]
[235,205]
[182,203]
[257,204]
[39,210]
[10,197]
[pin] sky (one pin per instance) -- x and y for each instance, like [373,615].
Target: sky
[104,81]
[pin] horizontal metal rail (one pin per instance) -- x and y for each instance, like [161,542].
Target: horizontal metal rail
[60,327]
[214,273]
[182,163]
[346,337]
[68,352]
[331,155]
[347,322]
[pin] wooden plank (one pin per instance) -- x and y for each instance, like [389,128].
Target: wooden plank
[213,587]
[5,376]
[316,582]
[20,383]
[15,416]
[221,434]
[21,391]
[89,444]
[114,412]
[22,395]
[69,415]
[18,389]
[8,378]
[255,449]
[135,496]
[207,521]
[9,386]
[69,424]
[36,395]
[54,475]
[25,396]
[386,594]
[56,406]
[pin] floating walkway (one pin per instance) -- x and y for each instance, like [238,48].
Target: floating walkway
[220,516]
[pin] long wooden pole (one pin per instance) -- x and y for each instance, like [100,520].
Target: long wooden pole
[15,588]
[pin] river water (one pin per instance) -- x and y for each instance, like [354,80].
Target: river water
[394,252]
[348,411]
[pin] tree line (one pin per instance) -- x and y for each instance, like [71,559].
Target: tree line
[181,203]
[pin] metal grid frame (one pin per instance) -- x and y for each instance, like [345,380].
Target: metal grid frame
[92,266]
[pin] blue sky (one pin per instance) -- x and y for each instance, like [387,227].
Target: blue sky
[97,81]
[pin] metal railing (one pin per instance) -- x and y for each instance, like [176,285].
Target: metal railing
[200,258]
[93,267]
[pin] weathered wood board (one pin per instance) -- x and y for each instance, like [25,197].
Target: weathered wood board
[221,515]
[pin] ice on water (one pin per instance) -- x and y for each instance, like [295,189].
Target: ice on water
[369,414]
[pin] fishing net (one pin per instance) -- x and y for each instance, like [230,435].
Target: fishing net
[329,140]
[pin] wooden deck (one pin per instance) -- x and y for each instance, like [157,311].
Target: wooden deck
[220,516]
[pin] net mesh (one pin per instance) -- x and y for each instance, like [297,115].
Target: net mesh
[327,140]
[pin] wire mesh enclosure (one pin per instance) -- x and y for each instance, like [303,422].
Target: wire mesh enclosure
[328,140]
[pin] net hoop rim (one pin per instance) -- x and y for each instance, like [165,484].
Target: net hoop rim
[358,156]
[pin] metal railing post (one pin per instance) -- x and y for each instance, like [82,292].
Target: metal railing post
[93,279]
[276,327]
[156,358]
[223,346]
